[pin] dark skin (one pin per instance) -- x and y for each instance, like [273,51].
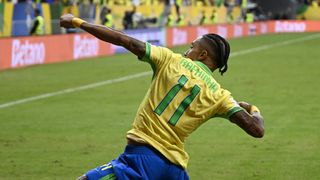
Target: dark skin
[253,123]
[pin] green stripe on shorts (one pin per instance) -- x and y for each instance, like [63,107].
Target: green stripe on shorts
[109,177]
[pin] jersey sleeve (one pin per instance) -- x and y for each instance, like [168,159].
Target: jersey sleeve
[228,107]
[157,56]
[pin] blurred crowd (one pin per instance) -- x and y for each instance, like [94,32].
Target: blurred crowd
[171,12]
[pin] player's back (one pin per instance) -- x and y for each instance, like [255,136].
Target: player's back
[183,94]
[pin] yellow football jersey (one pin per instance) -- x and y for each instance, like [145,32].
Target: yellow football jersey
[182,95]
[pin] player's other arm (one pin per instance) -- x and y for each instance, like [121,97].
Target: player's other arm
[106,34]
[250,120]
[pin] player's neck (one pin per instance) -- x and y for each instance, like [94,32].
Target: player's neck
[209,64]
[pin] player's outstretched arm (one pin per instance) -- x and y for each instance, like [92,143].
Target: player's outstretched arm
[250,120]
[106,34]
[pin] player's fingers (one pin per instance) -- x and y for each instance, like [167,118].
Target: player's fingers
[242,103]
[66,21]
[245,105]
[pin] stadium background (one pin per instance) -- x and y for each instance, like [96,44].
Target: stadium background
[16,18]
[59,120]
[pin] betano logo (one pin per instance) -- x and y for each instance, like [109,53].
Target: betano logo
[222,31]
[25,53]
[263,28]
[85,47]
[290,26]
[202,31]
[252,29]
[179,36]
[238,30]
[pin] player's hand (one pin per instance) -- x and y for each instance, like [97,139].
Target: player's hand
[66,21]
[245,106]
[251,109]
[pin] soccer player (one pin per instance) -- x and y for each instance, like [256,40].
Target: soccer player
[183,95]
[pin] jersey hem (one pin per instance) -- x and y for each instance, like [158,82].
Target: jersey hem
[158,147]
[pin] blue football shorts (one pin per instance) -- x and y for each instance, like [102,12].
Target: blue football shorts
[139,163]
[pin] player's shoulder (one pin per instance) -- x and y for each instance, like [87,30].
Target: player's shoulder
[159,48]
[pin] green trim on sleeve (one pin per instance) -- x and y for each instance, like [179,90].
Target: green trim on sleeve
[229,113]
[146,57]
[233,110]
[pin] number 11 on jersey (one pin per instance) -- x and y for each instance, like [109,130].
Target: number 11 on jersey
[183,105]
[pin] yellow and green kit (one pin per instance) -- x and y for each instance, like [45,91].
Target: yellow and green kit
[183,95]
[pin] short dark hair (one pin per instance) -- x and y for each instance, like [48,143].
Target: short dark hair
[221,49]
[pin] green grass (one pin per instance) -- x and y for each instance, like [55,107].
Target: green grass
[62,137]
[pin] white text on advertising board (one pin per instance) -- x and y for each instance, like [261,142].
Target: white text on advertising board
[222,31]
[202,31]
[286,26]
[179,36]
[85,47]
[25,53]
